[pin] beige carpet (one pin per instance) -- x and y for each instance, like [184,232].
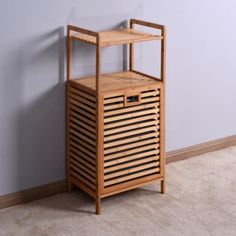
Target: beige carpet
[201,200]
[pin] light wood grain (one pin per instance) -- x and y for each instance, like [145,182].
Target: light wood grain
[132,176]
[84,168]
[82,179]
[130,158]
[132,151]
[115,121]
[74,115]
[116,37]
[83,155]
[99,128]
[130,133]
[118,174]
[131,115]
[131,139]
[130,145]
[82,94]
[117,82]
[132,120]
[82,136]
[130,164]
[129,127]
[83,161]
[84,113]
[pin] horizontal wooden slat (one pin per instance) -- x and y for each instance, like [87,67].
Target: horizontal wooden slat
[130,145]
[132,120]
[83,131]
[113,106]
[151,93]
[83,94]
[121,98]
[116,37]
[83,112]
[83,161]
[151,99]
[114,99]
[83,124]
[85,138]
[82,172]
[79,147]
[121,105]
[83,100]
[131,126]
[130,133]
[83,143]
[83,155]
[118,174]
[129,140]
[130,115]
[82,118]
[83,167]
[81,87]
[132,176]
[82,105]
[132,163]
[128,185]
[82,179]
[131,109]
[129,158]
[132,151]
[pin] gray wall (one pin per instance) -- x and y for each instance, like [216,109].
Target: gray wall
[200,75]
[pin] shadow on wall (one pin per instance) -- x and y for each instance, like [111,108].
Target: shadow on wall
[34,80]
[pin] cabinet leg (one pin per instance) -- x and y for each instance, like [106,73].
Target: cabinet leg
[163,186]
[98,205]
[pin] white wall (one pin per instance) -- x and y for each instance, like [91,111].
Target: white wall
[200,75]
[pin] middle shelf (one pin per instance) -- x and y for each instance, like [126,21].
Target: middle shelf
[117,81]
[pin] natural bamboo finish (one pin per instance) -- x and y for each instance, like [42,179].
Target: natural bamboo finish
[115,122]
[116,37]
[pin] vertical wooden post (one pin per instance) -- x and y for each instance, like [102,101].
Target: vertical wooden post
[131,50]
[163,55]
[69,72]
[99,122]
[162,107]
[69,54]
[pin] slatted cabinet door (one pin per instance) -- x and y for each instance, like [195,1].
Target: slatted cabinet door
[131,138]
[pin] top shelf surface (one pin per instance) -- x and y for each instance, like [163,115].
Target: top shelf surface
[117,37]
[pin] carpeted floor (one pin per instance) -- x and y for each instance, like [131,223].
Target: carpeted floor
[201,200]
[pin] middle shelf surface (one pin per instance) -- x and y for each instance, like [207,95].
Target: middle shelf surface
[117,81]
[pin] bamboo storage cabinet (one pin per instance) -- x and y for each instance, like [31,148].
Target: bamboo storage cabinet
[115,122]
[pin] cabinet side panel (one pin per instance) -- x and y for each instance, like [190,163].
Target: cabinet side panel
[82,139]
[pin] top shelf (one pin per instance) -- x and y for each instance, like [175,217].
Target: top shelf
[117,37]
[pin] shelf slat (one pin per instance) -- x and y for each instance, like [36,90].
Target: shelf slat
[117,37]
[117,81]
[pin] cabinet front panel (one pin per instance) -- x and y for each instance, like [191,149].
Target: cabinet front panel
[131,137]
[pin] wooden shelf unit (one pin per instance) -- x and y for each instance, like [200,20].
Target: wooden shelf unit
[115,122]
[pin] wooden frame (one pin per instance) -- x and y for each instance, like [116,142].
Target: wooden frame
[99,161]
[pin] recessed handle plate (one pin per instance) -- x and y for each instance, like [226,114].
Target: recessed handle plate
[132,99]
